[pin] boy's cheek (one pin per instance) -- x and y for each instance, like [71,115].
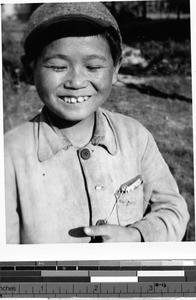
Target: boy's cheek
[45,83]
[105,81]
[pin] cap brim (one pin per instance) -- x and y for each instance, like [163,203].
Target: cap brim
[61,27]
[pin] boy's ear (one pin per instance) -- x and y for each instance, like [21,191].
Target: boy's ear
[28,69]
[115,73]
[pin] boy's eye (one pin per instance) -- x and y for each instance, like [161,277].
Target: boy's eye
[94,68]
[56,68]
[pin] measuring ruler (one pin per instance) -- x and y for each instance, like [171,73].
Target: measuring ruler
[97,279]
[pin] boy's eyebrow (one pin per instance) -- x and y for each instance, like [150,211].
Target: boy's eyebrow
[96,56]
[65,57]
[61,56]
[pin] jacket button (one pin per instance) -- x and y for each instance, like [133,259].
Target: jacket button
[99,187]
[85,153]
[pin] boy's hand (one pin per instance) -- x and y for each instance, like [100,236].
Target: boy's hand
[114,233]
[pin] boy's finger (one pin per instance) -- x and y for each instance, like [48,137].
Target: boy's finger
[96,230]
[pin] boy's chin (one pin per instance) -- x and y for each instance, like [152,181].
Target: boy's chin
[70,118]
[75,118]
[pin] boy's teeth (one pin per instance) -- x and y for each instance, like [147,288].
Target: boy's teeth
[81,99]
[75,100]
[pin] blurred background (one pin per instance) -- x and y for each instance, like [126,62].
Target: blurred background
[154,84]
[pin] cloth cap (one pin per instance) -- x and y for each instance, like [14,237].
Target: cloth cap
[52,21]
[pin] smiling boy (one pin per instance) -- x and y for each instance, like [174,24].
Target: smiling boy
[76,164]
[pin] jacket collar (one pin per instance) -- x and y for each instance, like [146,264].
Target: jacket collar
[51,140]
[104,134]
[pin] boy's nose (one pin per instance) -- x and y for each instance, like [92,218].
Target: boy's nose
[75,79]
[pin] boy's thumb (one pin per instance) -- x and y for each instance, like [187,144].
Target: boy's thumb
[95,230]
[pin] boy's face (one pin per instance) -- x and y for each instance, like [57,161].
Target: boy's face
[74,76]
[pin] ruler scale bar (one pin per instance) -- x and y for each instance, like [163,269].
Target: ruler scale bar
[90,279]
[73,289]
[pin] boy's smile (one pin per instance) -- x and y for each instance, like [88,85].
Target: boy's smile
[74,100]
[74,76]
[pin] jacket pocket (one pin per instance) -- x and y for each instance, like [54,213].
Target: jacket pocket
[130,206]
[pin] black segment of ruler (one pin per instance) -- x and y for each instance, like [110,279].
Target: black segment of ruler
[21,279]
[6,268]
[151,268]
[20,273]
[172,268]
[45,268]
[88,268]
[23,268]
[109,268]
[189,267]
[61,268]
[131,268]
[162,279]
[190,273]
[66,279]
[45,279]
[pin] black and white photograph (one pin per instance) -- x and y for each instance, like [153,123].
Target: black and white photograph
[98,122]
